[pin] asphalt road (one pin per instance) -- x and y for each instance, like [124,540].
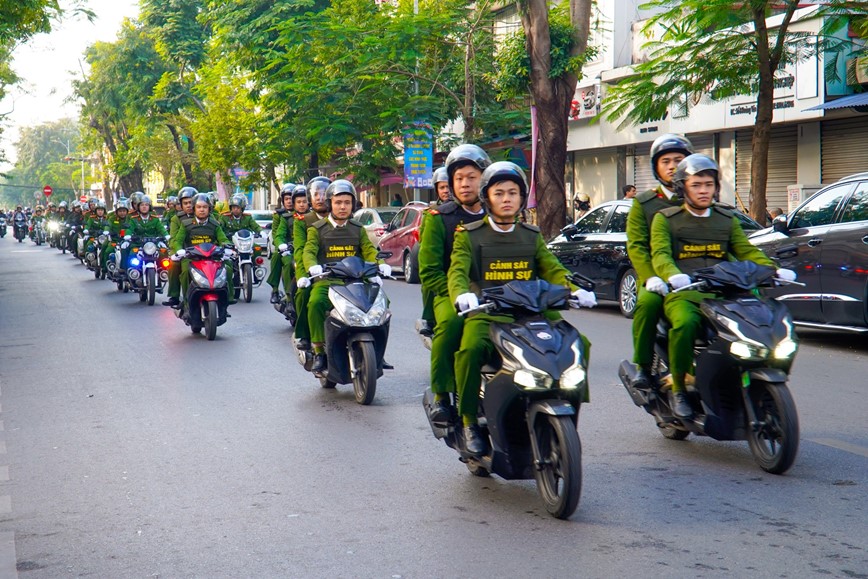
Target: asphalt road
[131,448]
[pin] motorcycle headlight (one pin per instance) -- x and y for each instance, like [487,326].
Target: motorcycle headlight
[748,350]
[199,278]
[786,349]
[532,380]
[134,261]
[353,316]
[102,239]
[574,376]
[243,245]
[220,279]
[150,248]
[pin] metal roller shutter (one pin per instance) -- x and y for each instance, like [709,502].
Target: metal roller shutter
[643,178]
[783,165]
[843,150]
[703,144]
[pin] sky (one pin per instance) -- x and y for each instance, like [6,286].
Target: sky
[48,63]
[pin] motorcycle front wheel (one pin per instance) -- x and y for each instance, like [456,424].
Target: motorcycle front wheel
[365,379]
[151,285]
[209,313]
[247,275]
[559,481]
[775,442]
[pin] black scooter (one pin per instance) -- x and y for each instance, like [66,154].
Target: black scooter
[286,304]
[743,357]
[19,227]
[356,329]
[530,396]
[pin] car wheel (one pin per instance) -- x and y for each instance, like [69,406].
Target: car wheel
[627,292]
[411,265]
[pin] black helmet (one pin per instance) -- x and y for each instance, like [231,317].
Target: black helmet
[340,187]
[316,186]
[693,165]
[503,171]
[464,155]
[299,191]
[441,176]
[668,143]
[187,193]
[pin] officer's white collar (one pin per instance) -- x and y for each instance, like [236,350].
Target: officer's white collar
[334,223]
[693,212]
[666,191]
[498,229]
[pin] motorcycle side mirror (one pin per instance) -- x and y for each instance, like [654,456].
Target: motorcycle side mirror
[384,254]
[779,224]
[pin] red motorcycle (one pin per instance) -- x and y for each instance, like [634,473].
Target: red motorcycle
[207,296]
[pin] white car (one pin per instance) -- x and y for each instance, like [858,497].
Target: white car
[263,218]
[374,220]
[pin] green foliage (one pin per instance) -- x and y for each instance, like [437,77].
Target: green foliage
[512,76]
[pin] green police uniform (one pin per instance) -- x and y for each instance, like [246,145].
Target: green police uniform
[327,243]
[301,225]
[118,228]
[275,271]
[435,254]
[150,227]
[231,224]
[484,258]
[191,232]
[682,243]
[174,289]
[649,305]
[284,233]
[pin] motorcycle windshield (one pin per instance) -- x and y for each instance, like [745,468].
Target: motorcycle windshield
[352,267]
[744,275]
[205,251]
[535,296]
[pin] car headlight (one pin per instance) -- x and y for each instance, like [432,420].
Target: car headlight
[748,350]
[150,248]
[532,380]
[353,316]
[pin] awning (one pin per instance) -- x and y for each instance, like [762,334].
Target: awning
[854,100]
[387,179]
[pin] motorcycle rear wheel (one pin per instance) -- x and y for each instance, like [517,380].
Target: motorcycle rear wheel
[247,274]
[151,285]
[209,312]
[775,445]
[559,481]
[365,380]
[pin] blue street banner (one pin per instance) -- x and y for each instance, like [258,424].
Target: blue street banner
[418,157]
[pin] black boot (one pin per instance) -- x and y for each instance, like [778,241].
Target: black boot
[172,302]
[302,344]
[275,297]
[680,407]
[441,412]
[474,443]
[644,380]
[319,363]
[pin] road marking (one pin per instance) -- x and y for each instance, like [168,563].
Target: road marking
[8,559]
[841,445]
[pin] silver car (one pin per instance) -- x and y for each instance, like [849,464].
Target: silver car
[374,220]
[263,218]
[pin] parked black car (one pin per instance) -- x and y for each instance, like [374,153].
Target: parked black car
[825,241]
[596,246]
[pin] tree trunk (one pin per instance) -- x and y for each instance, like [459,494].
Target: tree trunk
[762,122]
[552,98]
[469,89]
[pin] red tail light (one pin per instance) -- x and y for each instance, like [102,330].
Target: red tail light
[416,235]
[166,263]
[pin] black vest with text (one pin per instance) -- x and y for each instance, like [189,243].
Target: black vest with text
[336,243]
[199,233]
[499,258]
[654,200]
[454,215]
[699,242]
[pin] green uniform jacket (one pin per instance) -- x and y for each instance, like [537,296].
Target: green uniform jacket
[433,261]
[311,246]
[153,227]
[300,227]
[231,225]
[547,266]
[117,225]
[645,206]
[665,264]
[283,227]
[95,226]
[179,239]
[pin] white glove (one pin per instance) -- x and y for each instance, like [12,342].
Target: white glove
[181,252]
[127,237]
[385,269]
[106,233]
[467,301]
[585,298]
[656,285]
[303,282]
[125,245]
[85,232]
[315,270]
[168,237]
[282,247]
[376,279]
[786,274]
[679,280]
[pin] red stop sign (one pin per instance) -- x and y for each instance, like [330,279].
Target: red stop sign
[47,190]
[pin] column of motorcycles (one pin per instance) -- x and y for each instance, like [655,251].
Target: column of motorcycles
[534,384]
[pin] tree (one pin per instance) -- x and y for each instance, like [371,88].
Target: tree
[547,58]
[725,49]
